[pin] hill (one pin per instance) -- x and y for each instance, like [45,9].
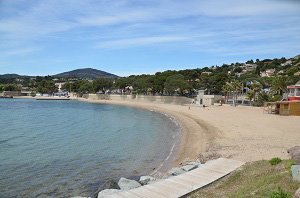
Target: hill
[9,76]
[86,73]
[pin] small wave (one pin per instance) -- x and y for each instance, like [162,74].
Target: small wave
[9,139]
[166,159]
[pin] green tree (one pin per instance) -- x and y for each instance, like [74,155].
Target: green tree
[176,83]
[86,87]
[279,84]
[237,88]
[255,87]
[11,87]
[227,89]
[46,86]
[250,95]
[141,85]
[102,84]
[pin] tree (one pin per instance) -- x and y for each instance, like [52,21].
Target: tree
[237,87]
[250,95]
[227,88]
[102,84]
[141,85]
[11,87]
[176,83]
[46,86]
[86,87]
[256,87]
[279,84]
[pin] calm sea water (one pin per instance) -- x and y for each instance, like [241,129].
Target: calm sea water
[70,148]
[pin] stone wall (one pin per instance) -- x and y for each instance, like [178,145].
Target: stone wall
[141,98]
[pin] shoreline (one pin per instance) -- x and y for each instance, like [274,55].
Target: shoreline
[190,128]
[242,133]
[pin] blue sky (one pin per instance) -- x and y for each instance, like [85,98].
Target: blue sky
[40,37]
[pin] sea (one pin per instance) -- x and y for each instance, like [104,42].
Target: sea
[72,148]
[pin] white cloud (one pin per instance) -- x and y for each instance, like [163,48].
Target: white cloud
[133,42]
[20,51]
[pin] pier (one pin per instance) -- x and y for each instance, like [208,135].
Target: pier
[185,183]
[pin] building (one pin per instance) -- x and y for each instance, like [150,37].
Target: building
[294,92]
[291,106]
[267,73]
[207,100]
[288,62]
[206,73]
[59,86]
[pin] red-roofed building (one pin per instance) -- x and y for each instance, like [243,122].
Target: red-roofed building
[294,92]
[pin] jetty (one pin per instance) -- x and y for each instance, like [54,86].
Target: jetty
[185,183]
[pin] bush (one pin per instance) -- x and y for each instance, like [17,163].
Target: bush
[280,193]
[275,161]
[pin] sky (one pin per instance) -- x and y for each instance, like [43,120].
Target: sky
[124,37]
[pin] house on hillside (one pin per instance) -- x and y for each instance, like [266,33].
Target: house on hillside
[249,67]
[268,73]
[288,62]
[206,73]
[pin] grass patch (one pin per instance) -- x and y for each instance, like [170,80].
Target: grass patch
[280,193]
[255,179]
[275,161]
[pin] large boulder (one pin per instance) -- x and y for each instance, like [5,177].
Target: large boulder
[197,163]
[144,180]
[295,154]
[127,184]
[106,192]
[296,172]
[176,171]
[189,167]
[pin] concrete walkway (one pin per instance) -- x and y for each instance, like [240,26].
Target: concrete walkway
[183,184]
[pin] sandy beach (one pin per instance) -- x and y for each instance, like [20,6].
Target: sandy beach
[241,133]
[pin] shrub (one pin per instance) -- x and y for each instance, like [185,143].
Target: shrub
[280,193]
[275,161]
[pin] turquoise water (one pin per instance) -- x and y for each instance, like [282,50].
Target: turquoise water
[70,148]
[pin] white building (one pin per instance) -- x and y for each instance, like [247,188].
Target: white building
[207,100]
[59,86]
[267,73]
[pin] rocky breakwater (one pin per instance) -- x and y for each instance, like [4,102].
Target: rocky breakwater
[127,184]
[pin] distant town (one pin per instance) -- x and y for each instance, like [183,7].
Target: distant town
[253,82]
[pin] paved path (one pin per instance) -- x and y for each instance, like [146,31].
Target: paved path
[183,184]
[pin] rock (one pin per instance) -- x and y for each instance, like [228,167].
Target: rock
[144,180]
[176,171]
[296,172]
[127,184]
[189,167]
[297,193]
[207,156]
[194,163]
[110,184]
[295,154]
[107,192]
